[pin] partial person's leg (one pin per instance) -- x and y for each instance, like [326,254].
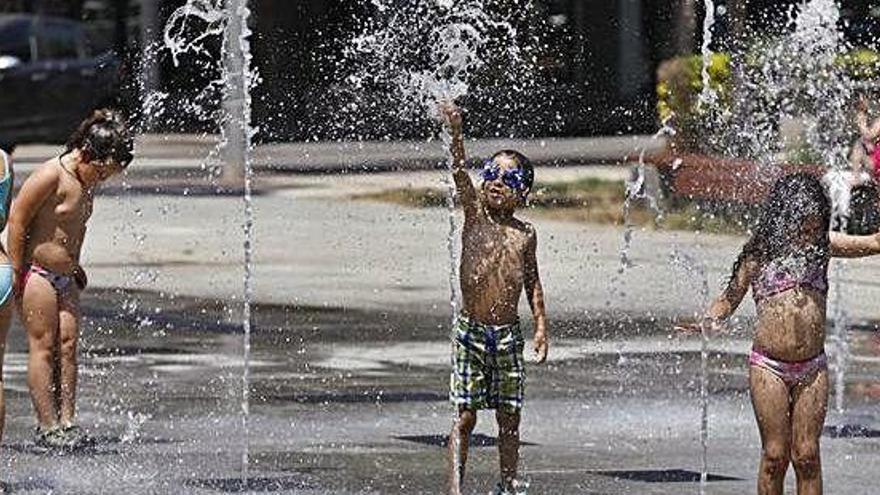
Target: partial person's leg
[770,401]
[809,405]
[39,313]
[69,335]
[5,320]
[461,434]
[508,446]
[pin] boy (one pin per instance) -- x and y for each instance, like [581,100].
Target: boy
[498,263]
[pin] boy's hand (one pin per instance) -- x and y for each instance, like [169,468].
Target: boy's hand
[541,347]
[451,114]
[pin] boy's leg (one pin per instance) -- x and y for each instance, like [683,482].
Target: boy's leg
[460,437]
[508,446]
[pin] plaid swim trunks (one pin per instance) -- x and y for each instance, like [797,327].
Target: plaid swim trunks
[488,370]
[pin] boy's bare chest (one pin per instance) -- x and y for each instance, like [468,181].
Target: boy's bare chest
[489,244]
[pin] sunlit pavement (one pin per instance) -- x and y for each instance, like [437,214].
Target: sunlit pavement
[349,365]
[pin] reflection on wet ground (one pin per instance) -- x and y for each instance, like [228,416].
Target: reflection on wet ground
[354,401]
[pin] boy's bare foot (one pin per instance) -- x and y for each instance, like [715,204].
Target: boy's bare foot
[514,488]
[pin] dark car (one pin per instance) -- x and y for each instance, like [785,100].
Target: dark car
[49,81]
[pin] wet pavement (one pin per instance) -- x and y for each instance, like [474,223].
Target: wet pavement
[349,368]
[355,403]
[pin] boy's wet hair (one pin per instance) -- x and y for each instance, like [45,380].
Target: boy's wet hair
[103,135]
[793,200]
[523,162]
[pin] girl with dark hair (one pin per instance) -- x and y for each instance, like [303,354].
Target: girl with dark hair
[786,265]
[46,230]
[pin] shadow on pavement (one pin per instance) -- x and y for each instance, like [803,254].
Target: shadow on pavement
[662,475]
[850,431]
[476,440]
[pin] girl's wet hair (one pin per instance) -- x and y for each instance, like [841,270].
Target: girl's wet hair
[102,136]
[524,163]
[793,201]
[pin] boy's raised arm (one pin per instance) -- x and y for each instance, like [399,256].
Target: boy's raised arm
[535,296]
[463,184]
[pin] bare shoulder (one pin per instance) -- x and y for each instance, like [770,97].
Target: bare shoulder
[526,230]
[45,174]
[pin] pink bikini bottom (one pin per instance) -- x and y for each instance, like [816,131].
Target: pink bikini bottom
[791,372]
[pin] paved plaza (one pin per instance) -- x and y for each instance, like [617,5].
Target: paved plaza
[349,368]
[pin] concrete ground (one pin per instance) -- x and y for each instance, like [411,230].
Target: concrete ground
[349,366]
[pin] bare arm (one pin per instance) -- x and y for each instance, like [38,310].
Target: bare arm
[34,192]
[535,295]
[463,184]
[854,246]
[725,304]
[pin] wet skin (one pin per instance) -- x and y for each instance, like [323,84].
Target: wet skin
[498,264]
[790,327]
[6,309]
[47,226]
[498,250]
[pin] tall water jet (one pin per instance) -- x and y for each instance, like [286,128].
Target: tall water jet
[707,95]
[696,270]
[237,141]
[228,21]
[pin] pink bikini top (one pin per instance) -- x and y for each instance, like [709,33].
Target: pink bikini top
[787,273]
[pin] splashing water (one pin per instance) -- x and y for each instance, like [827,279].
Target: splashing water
[416,54]
[425,53]
[636,190]
[190,27]
[697,270]
[188,32]
[796,77]
[237,140]
[708,96]
[841,342]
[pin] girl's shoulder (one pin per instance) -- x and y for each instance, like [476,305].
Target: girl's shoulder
[45,174]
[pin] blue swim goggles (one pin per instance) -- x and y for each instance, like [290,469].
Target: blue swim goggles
[512,178]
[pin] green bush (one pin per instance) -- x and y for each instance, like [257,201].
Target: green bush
[861,64]
[679,84]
